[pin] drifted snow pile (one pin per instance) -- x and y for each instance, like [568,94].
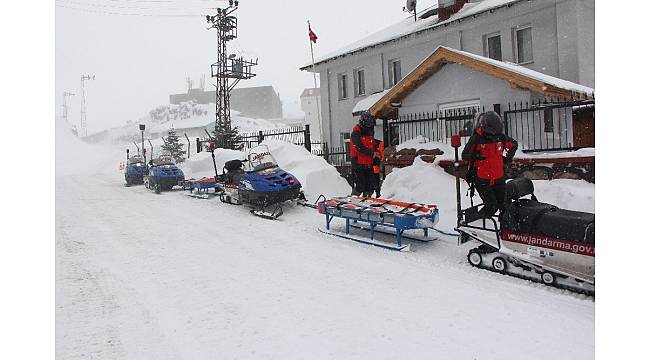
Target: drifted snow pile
[74,156]
[200,165]
[430,184]
[314,173]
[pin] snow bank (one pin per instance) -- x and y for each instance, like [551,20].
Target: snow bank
[314,173]
[430,184]
[200,165]
[74,156]
[425,183]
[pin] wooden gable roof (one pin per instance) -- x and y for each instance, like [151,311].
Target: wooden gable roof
[518,77]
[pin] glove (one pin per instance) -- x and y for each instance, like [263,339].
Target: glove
[477,156]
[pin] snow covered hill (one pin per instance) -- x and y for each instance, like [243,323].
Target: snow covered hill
[145,276]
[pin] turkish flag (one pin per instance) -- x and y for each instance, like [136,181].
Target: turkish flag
[312,35]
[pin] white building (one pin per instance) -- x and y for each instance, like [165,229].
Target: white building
[551,37]
[310,104]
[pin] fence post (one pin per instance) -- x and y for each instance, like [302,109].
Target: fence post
[326,152]
[198,145]
[384,125]
[260,137]
[188,145]
[505,123]
[307,138]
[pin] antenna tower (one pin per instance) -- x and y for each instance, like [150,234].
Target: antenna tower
[83,131]
[227,67]
[64,115]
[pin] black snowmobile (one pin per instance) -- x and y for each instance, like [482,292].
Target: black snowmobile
[531,239]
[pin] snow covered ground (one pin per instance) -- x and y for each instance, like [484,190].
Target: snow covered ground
[145,276]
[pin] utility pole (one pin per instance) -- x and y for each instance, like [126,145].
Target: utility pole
[83,131]
[227,67]
[64,115]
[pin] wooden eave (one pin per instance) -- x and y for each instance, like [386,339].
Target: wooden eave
[442,56]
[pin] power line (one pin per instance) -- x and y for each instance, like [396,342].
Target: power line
[127,14]
[86,4]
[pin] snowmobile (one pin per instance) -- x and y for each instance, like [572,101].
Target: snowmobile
[135,169]
[258,182]
[163,174]
[531,239]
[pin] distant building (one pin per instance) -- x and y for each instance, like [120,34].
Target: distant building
[254,102]
[310,105]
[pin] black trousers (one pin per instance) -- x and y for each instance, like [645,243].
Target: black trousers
[376,182]
[493,196]
[363,180]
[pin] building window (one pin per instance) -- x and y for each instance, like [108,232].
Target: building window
[343,86]
[394,71]
[453,117]
[345,141]
[523,41]
[359,82]
[492,46]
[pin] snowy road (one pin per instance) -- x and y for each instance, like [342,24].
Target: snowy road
[144,276]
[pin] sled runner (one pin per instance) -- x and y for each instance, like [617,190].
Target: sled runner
[379,216]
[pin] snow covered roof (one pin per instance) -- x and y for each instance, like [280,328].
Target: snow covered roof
[310,92]
[366,103]
[518,76]
[408,27]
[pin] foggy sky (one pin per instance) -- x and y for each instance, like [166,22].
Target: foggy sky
[139,60]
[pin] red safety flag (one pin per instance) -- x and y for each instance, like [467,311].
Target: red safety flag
[312,35]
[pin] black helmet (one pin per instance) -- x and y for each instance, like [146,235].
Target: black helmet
[367,120]
[491,123]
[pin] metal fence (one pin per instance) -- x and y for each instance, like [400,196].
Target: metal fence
[298,135]
[551,125]
[435,126]
[546,125]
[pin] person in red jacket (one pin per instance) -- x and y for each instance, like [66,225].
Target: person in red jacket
[485,153]
[362,153]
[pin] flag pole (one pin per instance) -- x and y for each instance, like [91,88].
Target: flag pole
[313,70]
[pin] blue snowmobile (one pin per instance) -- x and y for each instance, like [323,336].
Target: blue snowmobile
[135,169]
[163,174]
[258,182]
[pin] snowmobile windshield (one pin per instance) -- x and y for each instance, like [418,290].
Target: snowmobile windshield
[261,161]
[163,161]
[135,160]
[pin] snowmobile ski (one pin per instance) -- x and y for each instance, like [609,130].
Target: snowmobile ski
[273,215]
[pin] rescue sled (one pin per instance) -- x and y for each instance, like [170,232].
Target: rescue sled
[532,240]
[203,188]
[377,217]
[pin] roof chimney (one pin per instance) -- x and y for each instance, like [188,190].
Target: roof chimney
[447,8]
